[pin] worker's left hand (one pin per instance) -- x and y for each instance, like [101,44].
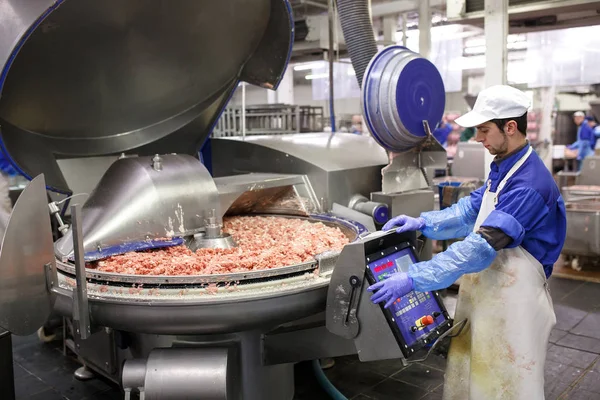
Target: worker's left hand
[391,289]
[404,223]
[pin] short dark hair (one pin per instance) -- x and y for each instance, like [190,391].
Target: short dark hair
[521,123]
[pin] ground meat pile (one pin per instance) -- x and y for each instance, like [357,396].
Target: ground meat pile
[263,243]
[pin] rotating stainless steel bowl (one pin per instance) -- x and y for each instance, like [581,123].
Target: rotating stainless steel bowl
[195,304]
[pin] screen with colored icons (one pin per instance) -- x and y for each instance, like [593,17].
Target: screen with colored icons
[417,314]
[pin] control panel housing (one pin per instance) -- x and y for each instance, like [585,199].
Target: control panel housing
[418,318]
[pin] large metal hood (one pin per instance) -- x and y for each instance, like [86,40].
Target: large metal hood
[85,78]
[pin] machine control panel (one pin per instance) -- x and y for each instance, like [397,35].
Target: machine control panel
[417,319]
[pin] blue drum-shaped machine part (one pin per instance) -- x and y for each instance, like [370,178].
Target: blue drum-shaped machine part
[400,91]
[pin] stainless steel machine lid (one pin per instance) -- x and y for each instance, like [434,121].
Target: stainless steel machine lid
[88,77]
[27,264]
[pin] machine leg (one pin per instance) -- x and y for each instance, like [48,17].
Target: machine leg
[7,378]
[84,374]
[260,382]
[327,363]
[159,368]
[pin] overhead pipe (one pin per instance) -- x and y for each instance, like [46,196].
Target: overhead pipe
[330,54]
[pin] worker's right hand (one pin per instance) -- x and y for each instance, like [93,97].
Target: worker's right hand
[391,289]
[404,223]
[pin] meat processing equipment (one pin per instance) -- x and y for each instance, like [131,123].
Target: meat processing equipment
[582,203]
[582,243]
[125,77]
[581,192]
[88,79]
[346,167]
[339,166]
[469,161]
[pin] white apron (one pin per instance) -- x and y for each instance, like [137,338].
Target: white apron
[502,351]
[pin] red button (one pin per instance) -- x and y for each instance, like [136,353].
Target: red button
[427,320]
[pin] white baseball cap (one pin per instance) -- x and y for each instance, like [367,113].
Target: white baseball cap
[496,102]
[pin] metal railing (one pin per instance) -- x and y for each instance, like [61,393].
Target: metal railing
[269,119]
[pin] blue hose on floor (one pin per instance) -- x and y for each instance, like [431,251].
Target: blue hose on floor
[325,384]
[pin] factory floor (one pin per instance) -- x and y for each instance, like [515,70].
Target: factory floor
[572,367]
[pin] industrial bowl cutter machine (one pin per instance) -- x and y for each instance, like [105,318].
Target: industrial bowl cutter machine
[145,84]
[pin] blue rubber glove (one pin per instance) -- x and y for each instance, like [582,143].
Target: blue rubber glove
[404,223]
[391,289]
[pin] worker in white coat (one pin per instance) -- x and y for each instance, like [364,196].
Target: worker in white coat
[514,229]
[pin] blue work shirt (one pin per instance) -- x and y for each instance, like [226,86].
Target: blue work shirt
[585,132]
[586,141]
[530,208]
[596,131]
[441,133]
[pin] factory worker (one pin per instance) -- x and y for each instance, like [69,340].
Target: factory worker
[514,228]
[357,125]
[593,124]
[442,131]
[584,145]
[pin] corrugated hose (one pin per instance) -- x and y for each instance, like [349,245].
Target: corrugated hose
[358,34]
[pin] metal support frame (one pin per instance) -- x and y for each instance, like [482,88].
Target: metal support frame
[545,133]
[390,27]
[436,156]
[330,56]
[412,166]
[304,344]
[496,32]
[425,28]
[81,313]
[244,110]
[404,29]
[401,6]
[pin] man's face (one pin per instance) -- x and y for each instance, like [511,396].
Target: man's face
[578,119]
[492,138]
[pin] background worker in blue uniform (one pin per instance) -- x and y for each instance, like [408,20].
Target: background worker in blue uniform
[442,131]
[357,125]
[593,124]
[514,229]
[584,145]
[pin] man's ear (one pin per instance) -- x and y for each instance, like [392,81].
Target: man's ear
[510,128]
